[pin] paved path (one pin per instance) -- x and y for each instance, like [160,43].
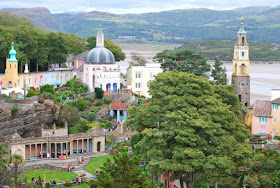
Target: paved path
[60,162]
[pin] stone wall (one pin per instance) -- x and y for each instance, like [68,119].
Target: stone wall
[29,118]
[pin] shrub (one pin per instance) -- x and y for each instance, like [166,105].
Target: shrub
[14,110]
[81,104]
[48,185]
[112,135]
[107,100]
[91,116]
[47,88]
[98,102]
[98,93]
[33,92]
[94,110]
[108,124]
[69,114]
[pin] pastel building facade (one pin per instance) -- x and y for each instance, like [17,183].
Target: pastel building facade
[138,77]
[12,79]
[97,67]
[261,120]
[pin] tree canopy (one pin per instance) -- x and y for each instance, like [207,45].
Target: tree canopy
[115,49]
[137,59]
[35,46]
[183,60]
[123,171]
[218,72]
[191,126]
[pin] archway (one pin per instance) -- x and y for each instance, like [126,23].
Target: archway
[108,87]
[10,84]
[115,87]
[98,146]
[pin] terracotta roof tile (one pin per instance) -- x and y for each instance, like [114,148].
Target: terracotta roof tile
[276,101]
[117,105]
[262,108]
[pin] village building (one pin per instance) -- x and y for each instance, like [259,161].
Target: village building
[261,119]
[56,143]
[97,67]
[138,78]
[12,80]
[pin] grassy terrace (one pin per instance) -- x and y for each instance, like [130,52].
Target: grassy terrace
[96,163]
[49,174]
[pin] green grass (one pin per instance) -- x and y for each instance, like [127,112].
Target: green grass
[50,175]
[96,163]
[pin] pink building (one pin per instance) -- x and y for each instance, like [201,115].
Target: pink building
[37,79]
[2,81]
[261,118]
[79,60]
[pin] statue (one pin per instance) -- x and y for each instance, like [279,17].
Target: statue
[66,125]
[54,125]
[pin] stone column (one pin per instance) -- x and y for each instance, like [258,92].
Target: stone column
[55,150]
[61,148]
[42,150]
[88,145]
[118,116]
[71,147]
[47,145]
[77,146]
[82,145]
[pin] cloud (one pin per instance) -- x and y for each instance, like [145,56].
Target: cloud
[130,6]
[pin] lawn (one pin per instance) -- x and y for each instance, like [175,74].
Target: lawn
[96,163]
[49,174]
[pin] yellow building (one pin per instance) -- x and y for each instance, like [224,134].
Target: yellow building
[275,113]
[11,72]
[138,77]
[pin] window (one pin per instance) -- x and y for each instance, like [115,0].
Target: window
[243,54]
[236,53]
[275,106]
[274,120]
[35,80]
[46,78]
[243,41]
[263,119]
[29,80]
[138,85]
[263,128]
[0,83]
[151,74]
[18,82]
[138,75]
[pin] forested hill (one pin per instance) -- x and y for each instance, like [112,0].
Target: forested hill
[259,51]
[261,23]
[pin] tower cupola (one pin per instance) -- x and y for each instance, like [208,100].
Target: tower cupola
[100,38]
[13,54]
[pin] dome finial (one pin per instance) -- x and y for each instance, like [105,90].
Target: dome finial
[241,30]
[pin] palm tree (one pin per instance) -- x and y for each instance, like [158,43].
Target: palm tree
[15,163]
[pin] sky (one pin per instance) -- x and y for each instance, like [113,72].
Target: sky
[132,6]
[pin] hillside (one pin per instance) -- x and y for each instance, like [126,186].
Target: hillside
[176,26]
[259,51]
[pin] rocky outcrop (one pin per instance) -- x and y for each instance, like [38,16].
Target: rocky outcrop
[25,116]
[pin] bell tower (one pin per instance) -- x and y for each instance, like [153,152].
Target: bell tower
[11,71]
[241,68]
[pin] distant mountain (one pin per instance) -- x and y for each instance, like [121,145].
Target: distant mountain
[41,16]
[223,49]
[176,26]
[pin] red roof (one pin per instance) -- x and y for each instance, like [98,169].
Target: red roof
[262,108]
[117,105]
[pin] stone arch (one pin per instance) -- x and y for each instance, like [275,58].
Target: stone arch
[115,87]
[10,85]
[108,87]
